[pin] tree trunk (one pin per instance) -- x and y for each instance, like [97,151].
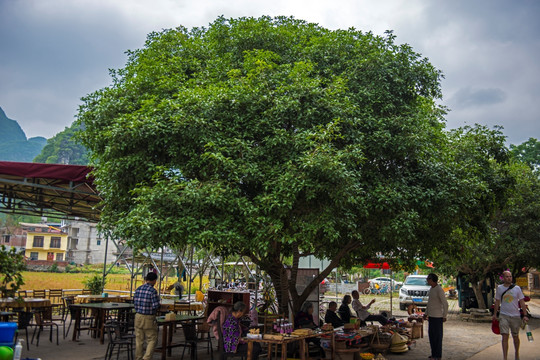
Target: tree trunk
[279,279]
[477,289]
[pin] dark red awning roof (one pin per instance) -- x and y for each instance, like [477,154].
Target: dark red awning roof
[48,189]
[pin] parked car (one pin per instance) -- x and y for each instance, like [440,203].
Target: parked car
[385,281]
[415,291]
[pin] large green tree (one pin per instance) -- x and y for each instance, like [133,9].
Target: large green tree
[528,152]
[275,138]
[503,223]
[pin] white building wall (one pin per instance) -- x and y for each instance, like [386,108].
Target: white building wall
[86,245]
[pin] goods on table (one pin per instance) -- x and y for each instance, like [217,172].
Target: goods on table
[399,343]
[254,334]
[282,326]
[327,327]
[273,336]
[367,356]
[378,343]
[302,332]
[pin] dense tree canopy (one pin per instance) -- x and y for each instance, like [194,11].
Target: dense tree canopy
[528,152]
[275,138]
[502,230]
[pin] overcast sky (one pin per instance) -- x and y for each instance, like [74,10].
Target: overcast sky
[53,52]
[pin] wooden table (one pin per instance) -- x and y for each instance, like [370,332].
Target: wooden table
[102,310]
[83,299]
[286,340]
[172,305]
[24,303]
[167,333]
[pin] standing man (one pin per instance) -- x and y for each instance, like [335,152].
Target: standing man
[436,313]
[362,311]
[508,298]
[146,301]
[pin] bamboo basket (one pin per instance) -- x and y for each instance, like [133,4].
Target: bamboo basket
[378,345]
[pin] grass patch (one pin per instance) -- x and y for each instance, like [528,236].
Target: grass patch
[34,280]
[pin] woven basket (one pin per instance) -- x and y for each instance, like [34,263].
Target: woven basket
[379,347]
[377,344]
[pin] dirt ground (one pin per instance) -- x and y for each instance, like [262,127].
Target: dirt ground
[472,340]
[462,340]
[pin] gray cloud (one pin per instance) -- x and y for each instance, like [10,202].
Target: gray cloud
[467,97]
[55,51]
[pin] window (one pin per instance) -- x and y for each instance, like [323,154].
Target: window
[38,241]
[33,256]
[6,238]
[73,244]
[60,257]
[55,242]
[99,242]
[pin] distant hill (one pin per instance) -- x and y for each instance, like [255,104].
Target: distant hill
[13,143]
[63,148]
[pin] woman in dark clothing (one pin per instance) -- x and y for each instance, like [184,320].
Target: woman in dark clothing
[304,320]
[344,310]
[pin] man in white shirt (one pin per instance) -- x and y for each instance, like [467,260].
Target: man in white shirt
[508,299]
[436,313]
[362,311]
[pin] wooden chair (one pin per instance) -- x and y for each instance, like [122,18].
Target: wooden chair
[22,293]
[55,295]
[87,292]
[39,294]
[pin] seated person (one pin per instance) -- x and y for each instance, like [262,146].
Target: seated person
[304,320]
[362,311]
[232,333]
[344,310]
[331,317]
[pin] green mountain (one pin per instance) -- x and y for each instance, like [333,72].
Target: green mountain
[13,143]
[63,148]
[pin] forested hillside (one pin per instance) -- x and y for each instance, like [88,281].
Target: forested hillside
[14,146]
[63,148]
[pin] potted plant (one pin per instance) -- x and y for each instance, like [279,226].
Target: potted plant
[95,284]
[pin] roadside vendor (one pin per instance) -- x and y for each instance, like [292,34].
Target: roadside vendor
[331,317]
[304,320]
[232,333]
[362,310]
[344,310]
